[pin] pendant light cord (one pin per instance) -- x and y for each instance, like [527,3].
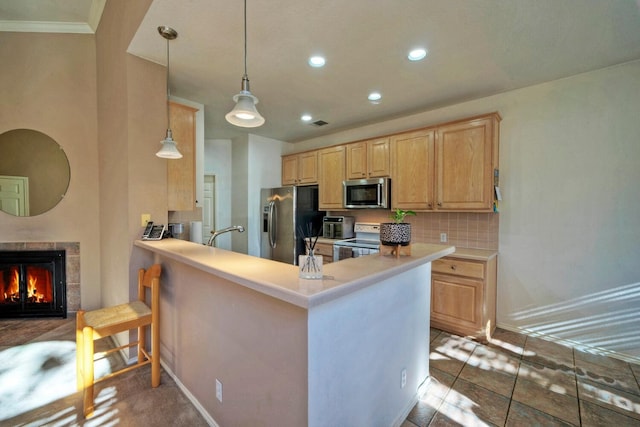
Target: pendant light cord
[168,93]
[245,38]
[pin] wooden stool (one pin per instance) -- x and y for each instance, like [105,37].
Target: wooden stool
[96,324]
[396,250]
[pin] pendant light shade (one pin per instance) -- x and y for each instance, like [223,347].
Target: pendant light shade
[245,114]
[169,148]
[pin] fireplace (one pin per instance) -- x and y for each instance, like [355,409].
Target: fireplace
[33,283]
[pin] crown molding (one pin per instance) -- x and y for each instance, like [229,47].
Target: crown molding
[45,27]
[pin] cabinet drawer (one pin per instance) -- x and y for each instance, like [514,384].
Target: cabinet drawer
[324,249]
[459,267]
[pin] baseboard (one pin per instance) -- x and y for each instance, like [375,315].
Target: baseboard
[208,418]
[572,344]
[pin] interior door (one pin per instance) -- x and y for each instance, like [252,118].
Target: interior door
[14,195]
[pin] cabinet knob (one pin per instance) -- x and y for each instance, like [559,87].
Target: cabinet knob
[453,267]
[430,205]
[440,204]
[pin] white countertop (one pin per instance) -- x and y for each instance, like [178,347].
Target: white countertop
[280,280]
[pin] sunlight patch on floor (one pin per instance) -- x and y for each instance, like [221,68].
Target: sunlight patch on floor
[35,374]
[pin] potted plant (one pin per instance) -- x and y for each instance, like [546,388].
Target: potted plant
[397,232]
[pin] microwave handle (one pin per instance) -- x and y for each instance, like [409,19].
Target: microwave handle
[379,193]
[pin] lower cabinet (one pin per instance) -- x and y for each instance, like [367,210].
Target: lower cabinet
[463,294]
[326,250]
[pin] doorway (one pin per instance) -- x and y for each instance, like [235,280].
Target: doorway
[208,207]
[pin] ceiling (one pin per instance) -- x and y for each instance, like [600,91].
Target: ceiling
[476,48]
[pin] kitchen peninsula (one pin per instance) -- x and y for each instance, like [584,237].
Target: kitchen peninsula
[351,349]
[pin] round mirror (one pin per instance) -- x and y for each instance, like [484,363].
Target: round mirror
[34,172]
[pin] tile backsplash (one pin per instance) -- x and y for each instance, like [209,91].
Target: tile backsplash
[465,230]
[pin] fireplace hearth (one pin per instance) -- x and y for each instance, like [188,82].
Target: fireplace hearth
[33,283]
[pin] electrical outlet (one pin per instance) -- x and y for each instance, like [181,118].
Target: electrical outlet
[218,390]
[443,237]
[144,219]
[403,378]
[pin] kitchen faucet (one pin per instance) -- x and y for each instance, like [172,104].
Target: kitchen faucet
[216,233]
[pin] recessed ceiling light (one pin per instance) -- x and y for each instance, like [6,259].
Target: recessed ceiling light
[306,118]
[417,54]
[317,61]
[375,97]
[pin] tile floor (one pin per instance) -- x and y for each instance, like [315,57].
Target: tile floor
[513,381]
[517,380]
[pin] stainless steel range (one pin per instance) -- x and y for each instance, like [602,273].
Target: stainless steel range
[367,241]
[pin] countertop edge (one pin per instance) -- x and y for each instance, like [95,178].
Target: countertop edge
[340,279]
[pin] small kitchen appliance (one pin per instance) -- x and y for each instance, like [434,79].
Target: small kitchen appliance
[367,193]
[337,227]
[366,242]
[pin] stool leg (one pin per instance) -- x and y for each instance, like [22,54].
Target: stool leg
[88,371]
[79,351]
[155,353]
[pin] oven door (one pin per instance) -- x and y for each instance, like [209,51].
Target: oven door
[342,252]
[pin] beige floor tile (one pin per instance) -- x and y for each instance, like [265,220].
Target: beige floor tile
[593,415]
[521,415]
[598,359]
[621,379]
[449,353]
[492,369]
[546,398]
[611,398]
[508,341]
[547,353]
[559,380]
[467,401]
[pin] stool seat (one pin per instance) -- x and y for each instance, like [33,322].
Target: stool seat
[104,322]
[110,317]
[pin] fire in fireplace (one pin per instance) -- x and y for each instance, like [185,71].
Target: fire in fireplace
[32,283]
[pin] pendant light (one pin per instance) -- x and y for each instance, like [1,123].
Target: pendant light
[245,114]
[169,149]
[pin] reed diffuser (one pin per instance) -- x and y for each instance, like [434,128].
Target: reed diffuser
[310,264]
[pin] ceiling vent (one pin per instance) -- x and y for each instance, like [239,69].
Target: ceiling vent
[319,123]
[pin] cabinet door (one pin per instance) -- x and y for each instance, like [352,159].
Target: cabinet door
[181,173]
[326,250]
[456,303]
[464,165]
[290,169]
[356,160]
[331,165]
[412,166]
[378,158]
[308,168]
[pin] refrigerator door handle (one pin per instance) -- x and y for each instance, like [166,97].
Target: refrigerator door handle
[271,224]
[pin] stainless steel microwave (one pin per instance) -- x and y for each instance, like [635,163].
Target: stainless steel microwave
[367,193]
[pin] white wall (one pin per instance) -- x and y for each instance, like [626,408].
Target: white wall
[217,161]
[264,171]
[570,219]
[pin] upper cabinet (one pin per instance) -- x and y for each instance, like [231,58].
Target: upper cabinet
[412,165]
[331,173]
[466,156]
[300,168]
[368,159]
[447,168]
[181,173]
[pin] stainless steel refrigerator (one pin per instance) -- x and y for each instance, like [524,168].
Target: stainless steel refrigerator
[288,215]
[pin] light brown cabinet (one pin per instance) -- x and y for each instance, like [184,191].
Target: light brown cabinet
[412,166]
[446,168]
[181,173]
[368,159]
[463,295]
[331,173]
[326,250]
[466,155]
[300,168]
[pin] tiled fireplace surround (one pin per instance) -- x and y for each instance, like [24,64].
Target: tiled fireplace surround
[72,267]
[465,230]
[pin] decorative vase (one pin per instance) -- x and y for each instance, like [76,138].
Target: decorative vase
[394,234]
[310,266]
